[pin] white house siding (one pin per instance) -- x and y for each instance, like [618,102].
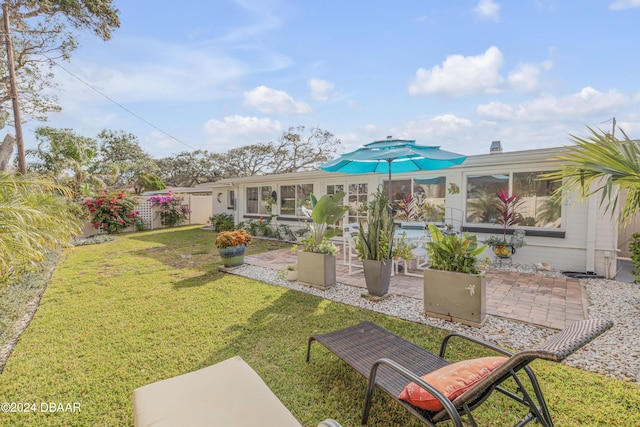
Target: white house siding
[589,242]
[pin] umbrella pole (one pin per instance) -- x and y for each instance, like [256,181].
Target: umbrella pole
[390,191]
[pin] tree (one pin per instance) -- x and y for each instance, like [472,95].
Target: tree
[148,182]
[35,217]
[61,152]
[40,35]
[601,162]
[188,168]
[120,153]
[295,151]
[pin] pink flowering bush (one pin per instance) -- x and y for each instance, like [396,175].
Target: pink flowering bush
[113,211]
[171,210]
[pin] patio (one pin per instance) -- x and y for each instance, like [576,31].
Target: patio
[538,299]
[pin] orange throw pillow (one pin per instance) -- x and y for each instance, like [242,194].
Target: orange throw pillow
[451,380]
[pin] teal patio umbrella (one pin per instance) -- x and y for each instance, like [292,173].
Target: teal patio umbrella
[405,156]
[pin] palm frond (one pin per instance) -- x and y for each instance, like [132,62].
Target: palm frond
[601,163]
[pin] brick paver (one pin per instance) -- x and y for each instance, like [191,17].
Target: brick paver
[532,298]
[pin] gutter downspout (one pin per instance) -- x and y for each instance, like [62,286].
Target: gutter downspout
[592,224]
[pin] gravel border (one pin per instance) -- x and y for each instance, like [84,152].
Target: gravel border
[615,354]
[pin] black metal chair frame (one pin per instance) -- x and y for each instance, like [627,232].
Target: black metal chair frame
[390,362]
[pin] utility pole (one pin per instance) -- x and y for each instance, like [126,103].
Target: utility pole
[22,166]
[613,132]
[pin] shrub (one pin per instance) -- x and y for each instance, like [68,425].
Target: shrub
[634,248]
[452,253]
[171,210]
[264,227]
[222,222]
[113,211]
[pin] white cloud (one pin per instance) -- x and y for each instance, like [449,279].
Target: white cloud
[474,75]
[584,105]
[436,128]
[321,90]
[488,9]
[448,122]
[272,101]
[461,75]
[264,21]
[624,4]
[525,77]
[160,72]
[161,141]
[235,131]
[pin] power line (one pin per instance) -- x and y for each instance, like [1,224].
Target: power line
[99,92]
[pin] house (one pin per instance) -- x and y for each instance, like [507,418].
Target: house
[574,234]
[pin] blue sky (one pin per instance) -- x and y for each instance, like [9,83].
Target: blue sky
[221,74]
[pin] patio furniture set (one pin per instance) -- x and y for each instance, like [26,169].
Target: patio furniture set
[414,233]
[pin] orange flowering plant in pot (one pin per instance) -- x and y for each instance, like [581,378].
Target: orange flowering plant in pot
[231,246]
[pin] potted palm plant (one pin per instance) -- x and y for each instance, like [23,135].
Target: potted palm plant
[454,285]
[317,261]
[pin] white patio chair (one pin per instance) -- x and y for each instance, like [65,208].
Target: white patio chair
[345,239]
[418,253]
[355,265]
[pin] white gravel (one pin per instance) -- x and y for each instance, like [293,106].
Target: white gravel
[615,354]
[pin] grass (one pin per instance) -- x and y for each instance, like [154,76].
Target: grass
[18,297]
[152,305]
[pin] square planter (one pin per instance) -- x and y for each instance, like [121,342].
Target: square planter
[457,297]
[317,270]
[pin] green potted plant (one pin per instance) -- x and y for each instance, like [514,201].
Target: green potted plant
[454,285]
[509,216]
[231,246]
[375,245]
[289,272]
[317,261]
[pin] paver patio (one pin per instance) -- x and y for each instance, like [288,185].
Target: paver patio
[553,302]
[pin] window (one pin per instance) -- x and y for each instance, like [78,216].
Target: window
[430,195]
[357,199]
[232,199]
[482,198]
[400,189]
[252,200]
[538,208]
[293,197]
[259,200]
[266,200]
[333,189]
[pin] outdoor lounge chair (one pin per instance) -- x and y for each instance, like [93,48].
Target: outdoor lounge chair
[391,363]
[228,393]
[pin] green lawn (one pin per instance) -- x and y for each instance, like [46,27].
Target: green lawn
[152,305]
